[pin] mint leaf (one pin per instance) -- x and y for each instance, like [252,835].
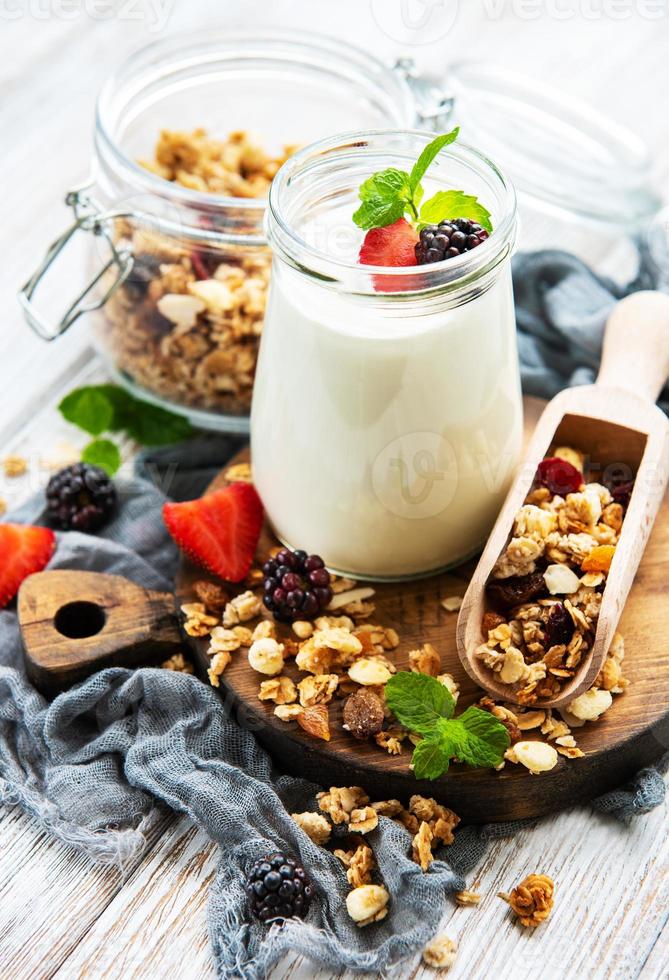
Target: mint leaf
[151,425]
[475,737]
[454,204]
[110,408]
[390,183]
[418,701]
[378,212]
[103,453]
[384,198]
[430,758]
[89,408]
[427,156]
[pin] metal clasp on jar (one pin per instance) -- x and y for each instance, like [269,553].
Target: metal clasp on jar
[434,103]
[89,216]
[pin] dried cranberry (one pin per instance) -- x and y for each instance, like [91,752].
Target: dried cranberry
[559,476]
[204,263]
[559,627]
[514,591]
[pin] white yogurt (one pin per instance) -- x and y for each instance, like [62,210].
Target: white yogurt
[385,445]
[385,429]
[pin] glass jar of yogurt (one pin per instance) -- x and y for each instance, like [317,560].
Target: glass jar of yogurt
[387,415]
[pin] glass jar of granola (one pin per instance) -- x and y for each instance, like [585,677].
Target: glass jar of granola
[179,261]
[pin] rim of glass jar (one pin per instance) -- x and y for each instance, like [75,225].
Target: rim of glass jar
[173,54]
[452,277]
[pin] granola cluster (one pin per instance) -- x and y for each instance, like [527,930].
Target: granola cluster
[532,899]
[238,166]
[349,809]
[546,588]
[186,323]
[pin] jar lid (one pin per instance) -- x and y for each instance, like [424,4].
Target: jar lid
[556,149]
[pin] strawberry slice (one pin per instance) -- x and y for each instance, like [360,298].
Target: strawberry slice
[393,245]
[219,531]
[23,550]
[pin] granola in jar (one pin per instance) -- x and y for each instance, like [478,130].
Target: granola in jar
[185,325]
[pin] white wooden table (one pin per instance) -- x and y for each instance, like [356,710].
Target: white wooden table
[61,916]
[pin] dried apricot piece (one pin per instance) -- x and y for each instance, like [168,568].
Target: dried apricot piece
[599,559]
[315,721]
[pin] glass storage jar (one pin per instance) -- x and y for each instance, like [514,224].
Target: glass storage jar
[582,184]
[387,415]
[178,273]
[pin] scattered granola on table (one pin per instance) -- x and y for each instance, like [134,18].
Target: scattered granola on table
[546,587]
[178,663]
[367,904]
[466,898]
[14,466]
[532,899]
[440,953]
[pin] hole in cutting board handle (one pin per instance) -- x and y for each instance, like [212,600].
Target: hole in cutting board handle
[78,620]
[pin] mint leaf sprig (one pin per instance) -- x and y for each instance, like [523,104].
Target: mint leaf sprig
[389,194]
[99,409]
[426,707]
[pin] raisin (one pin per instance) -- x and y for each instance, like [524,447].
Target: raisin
[622,492]
[315,721]
[559,626]
[515,591]
[559,476]
[490,621]
[363,714]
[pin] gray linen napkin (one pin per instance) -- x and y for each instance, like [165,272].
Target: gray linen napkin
[94,765]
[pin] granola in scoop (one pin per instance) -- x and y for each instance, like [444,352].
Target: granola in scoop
[546,587]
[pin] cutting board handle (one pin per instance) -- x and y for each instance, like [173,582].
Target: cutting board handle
[75,623]
[635,354]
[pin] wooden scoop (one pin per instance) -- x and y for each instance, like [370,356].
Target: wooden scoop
[74,623]
[616,423]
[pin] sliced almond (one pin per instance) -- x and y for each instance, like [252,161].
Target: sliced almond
[354,595]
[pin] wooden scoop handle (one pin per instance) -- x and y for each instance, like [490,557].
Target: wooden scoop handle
[635,355]
[75,623]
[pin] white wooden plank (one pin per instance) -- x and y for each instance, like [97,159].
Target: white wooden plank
[157,927]
[50,896]
[610,887]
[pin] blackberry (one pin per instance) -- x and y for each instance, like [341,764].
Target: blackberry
[278,888]
[297,585]
[80,498]
[448,239]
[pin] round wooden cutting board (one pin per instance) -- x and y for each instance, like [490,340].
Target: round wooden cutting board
[633,733]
